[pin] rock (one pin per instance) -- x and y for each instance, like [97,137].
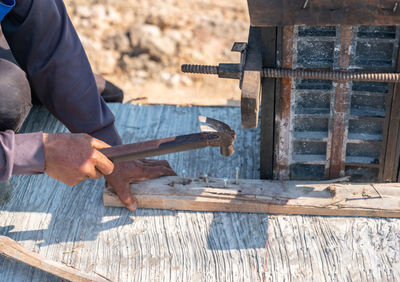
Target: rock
[119,42]
[106,63]
[149,39]
[129,63]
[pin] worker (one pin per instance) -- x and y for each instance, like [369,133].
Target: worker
[53,68]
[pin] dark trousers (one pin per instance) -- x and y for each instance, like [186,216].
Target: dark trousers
[15,96]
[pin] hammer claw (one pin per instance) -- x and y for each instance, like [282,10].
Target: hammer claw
[216,124]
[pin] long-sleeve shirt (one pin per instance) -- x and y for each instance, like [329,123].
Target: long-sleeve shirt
[46,46]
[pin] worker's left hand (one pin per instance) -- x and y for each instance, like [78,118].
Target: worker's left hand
[139,170]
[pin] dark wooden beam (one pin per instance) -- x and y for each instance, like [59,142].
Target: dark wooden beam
[340,113]
[392,134]
[283,146]
[393,145]
[323,12]
[251,83]
[268,47]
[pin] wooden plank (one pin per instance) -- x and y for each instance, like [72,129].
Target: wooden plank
[267,142]
[11,249]
[251,81]
[392,152]
[258,196]
[392,147]
[285,106]
[323,12]
[341,108]
[53,219]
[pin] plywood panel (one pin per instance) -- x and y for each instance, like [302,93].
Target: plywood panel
[162,245]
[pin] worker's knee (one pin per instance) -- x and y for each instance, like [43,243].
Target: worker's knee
[15,96]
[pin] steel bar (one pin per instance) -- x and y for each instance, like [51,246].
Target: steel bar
[305,74]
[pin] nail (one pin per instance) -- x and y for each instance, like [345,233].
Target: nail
[206,178]
[305,4]
[184,174]
[225,181]
[237,176]
[395,7]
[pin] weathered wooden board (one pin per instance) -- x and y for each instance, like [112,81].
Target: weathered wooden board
[251,82]
[11,249]
[323,12]
[72,226]
[262,196]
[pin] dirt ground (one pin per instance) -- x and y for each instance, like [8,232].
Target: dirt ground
[140,44]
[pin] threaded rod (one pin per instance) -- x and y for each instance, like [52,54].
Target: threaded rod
[305,74]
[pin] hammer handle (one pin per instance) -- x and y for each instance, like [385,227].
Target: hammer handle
[151,148]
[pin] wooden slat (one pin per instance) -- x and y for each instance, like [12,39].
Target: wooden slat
[341,111]
[323,12]
[391,160]
[53,219]
[251,83]
[285,102]
[267,142]
[262,196]
[11,249]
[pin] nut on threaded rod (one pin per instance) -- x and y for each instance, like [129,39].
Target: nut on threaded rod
[233,71]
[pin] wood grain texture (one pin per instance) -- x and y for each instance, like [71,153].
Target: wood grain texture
[341,107]
[162,245]
[11,249]
[261,196]
[268,104]
[323,12]
[284,141]
[251,82]
[392,154]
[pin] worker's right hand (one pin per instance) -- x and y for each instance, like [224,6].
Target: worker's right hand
[71,158]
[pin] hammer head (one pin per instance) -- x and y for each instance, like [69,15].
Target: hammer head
[225,133]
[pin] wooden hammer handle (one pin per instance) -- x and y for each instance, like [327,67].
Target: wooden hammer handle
[11,249]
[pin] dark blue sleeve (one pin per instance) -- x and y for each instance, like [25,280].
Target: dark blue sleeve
[46,46]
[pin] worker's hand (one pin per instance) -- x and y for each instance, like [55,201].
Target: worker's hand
[72,158]
[128,172]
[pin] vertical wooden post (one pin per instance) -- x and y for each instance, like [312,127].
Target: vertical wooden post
[286,88]
[338,147]
[268,52]
[391,161]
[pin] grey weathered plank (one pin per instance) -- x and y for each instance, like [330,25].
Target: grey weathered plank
[159,245]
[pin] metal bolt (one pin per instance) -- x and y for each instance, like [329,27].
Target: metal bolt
[395,7]
[184,176]
[237,176]
[305,4]
[206,179]
[225,181]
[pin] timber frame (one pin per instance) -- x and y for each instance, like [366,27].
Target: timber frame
[275,21]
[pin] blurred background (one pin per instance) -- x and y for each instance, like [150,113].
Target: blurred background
[139,45]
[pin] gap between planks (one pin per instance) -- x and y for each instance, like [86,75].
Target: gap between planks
[263,196]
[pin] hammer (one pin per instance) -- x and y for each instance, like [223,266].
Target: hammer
[213,133]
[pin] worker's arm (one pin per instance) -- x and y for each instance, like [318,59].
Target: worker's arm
[46,46]
[20,154]
[69,158]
